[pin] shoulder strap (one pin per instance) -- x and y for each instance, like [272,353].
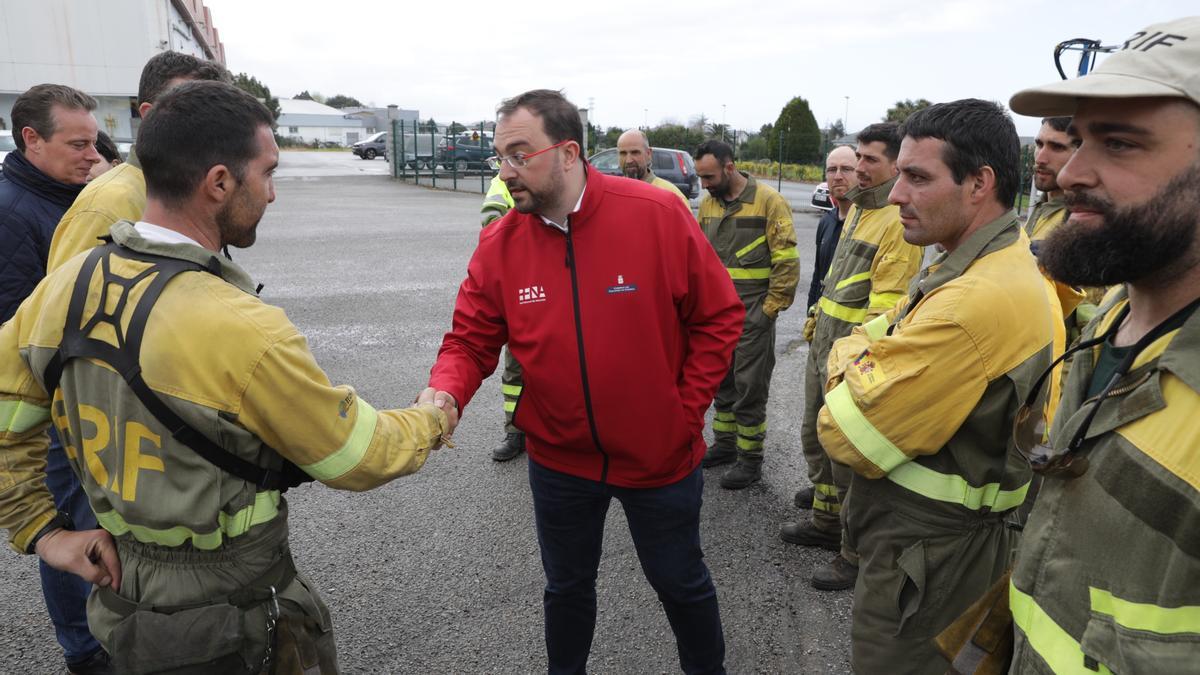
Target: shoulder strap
[125,356]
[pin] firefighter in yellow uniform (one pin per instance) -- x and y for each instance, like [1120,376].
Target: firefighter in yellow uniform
[750,226]
[871,271]
[187,406]
[920,401]
[1107,579]
[496,203]
[635,157]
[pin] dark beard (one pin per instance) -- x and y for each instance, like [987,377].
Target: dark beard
[1133,242]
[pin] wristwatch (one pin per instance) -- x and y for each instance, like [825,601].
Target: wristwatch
[60,521]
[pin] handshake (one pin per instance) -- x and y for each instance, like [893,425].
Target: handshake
[446,403]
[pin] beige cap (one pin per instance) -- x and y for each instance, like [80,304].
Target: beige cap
[1160,60]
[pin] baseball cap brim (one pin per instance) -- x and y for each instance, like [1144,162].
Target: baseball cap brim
[1061,98]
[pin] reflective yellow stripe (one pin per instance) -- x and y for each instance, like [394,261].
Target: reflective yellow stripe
[751,246]
[828,507]
[752,431]
[860,432]
[511,389]
[749,272]
[954,489]
[839,311]
[825,489]
[862,276]
[876,328]
[718,425]
[351,453]
[724,416]
[1057,648]
[1145,616]
[884,300]
[264,509]
[747,444]
[510,406]
[17,417]
[785,254]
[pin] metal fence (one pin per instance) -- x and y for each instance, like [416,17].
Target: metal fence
[452,156]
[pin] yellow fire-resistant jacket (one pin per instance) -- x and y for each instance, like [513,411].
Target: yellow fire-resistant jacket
[871,269]
[756,241]
[930,405]
[669,187]
[229,364]
[118,194]
[1107,579]
[496,203]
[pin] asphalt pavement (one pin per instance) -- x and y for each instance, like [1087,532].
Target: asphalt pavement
[439,572]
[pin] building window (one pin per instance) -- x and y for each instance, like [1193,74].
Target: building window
[293,130]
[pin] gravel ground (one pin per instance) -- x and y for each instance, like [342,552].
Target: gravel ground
[439,572]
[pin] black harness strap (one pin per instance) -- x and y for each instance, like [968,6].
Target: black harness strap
[125,357]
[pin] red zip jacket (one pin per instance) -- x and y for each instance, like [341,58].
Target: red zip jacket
[624,328]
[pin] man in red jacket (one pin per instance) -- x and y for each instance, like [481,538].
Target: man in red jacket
[624,321]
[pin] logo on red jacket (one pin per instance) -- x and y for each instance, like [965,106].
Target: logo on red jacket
[531,294]
[621,286]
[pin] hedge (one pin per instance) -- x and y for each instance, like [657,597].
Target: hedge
[800,172]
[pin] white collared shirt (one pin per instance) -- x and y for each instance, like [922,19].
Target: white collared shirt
[162,235]
[574,210]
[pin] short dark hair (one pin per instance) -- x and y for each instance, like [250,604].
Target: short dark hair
[886,133]
[560,117]
[107,149]
[166,66]
[34,109]
[1058,123]
[977,133]
[720,151]
[193,128]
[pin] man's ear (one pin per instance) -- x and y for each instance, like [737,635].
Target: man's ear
[144,108]
[573,152]
[983,183]
[31,138]
[219,183]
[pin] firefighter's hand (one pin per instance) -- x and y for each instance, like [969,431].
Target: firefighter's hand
[90,554]
[810,327]
[447,404]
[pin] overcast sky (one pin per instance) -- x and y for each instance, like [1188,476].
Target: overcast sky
[637,61]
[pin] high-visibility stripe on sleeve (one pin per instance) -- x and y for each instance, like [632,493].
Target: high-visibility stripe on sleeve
[1057,648]
[884,300]
[352,451]
[854,279]
[751,246]
[785,254]
[1145,616]
[860,432]
[840,311]
[511,389]
[749,272]
[876,328]
[945,487]
[17,417]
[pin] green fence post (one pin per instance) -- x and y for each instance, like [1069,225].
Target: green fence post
[397,135]
[454,170]
[485,169]
[433,149]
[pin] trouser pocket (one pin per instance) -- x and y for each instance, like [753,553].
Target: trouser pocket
[201,640]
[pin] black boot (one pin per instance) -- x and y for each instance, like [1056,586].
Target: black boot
[838,574]
[804,534]
[513,445]
[98,663]
[745,473]
[804,498]
[723,451]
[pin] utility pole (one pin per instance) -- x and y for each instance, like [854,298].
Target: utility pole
[846,117]
[722,121]
[646,118]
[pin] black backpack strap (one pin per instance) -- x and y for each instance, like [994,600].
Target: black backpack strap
[125,357]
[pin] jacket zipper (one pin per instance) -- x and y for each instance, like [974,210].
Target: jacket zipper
[587,393]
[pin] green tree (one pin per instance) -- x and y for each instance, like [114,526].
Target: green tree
[675,136]
[801,135]
[431,125]
[755,147]
[303,96]
[341,101]
[609,139]
[902,109]
[258,90]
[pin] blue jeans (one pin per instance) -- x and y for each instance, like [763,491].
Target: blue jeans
[66,594]
[665,525]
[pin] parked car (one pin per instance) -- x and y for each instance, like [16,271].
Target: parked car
[676,166]
[372,146]
[465,151]
[7,144]
[820,197]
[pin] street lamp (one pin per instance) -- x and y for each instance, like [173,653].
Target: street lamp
[722,121]
[646,118]
[846,117]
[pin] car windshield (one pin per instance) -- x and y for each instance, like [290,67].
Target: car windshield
[7,143]
[375,137]
[604,161]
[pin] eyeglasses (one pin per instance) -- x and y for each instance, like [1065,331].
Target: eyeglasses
[520,159]
[1029,425]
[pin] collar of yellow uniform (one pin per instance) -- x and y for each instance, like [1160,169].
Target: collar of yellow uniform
[872,197]
[994,236]
[124,234]
[750,191]
[1179,353]
[649,177]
